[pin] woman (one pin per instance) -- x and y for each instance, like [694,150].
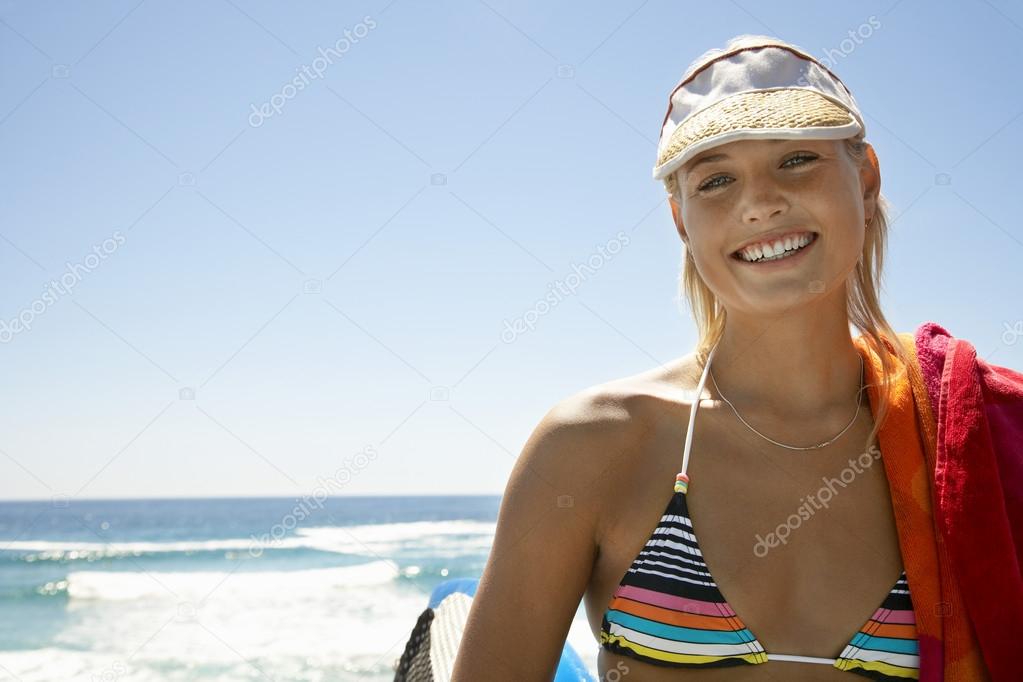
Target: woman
[807,531]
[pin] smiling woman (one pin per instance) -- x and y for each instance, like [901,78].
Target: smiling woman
[806,191]
[776,194]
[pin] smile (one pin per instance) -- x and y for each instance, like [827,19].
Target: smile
[778,251]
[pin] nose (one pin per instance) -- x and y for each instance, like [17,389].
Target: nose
[762,200]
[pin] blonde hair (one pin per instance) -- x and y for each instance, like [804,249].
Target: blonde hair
[862,299]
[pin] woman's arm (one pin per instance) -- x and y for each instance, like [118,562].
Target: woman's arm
[542,556]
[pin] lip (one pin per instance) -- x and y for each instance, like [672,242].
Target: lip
[771,237]
[783,262]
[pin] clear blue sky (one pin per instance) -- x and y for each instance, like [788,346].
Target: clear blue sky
[332,276]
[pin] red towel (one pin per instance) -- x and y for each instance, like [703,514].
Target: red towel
[978,493]
[952,447]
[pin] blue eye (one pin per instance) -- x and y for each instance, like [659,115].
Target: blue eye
[810,157]
[712,184]
[709,184]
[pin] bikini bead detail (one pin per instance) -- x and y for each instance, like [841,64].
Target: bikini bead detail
[681,482]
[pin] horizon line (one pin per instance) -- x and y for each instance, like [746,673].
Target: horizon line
[231,497]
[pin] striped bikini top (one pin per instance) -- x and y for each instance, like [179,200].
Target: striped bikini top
[668,611]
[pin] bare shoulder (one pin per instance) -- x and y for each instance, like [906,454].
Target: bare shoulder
[578,435]
[550,526]
[599,426]
[630,396]
[620,405]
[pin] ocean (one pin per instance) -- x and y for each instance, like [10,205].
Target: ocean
[231,589]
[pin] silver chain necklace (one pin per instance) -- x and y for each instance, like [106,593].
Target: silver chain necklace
[859,401]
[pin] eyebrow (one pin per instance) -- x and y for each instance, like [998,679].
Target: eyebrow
[720,156]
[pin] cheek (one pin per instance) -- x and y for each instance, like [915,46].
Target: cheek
[843,234]
[836,193]
[700,219]
[709,252]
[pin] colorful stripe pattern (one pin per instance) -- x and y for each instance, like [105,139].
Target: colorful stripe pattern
[668,611]
[886,647]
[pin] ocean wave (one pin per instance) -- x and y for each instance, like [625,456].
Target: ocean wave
[184,586]
[51,550]
[437,538]
[71,665]
[441,539]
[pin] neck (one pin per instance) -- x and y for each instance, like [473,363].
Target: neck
[796,367]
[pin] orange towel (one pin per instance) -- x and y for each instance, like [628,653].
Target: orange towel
[949,651]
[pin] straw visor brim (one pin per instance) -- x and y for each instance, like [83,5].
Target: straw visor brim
[779,113]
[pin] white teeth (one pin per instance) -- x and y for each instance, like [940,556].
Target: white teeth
[781,248]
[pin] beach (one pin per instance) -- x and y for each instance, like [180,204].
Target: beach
[231,588]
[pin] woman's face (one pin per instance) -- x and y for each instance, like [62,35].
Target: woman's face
[750,191]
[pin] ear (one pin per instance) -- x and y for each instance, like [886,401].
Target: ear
[870,180]
[676,215]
